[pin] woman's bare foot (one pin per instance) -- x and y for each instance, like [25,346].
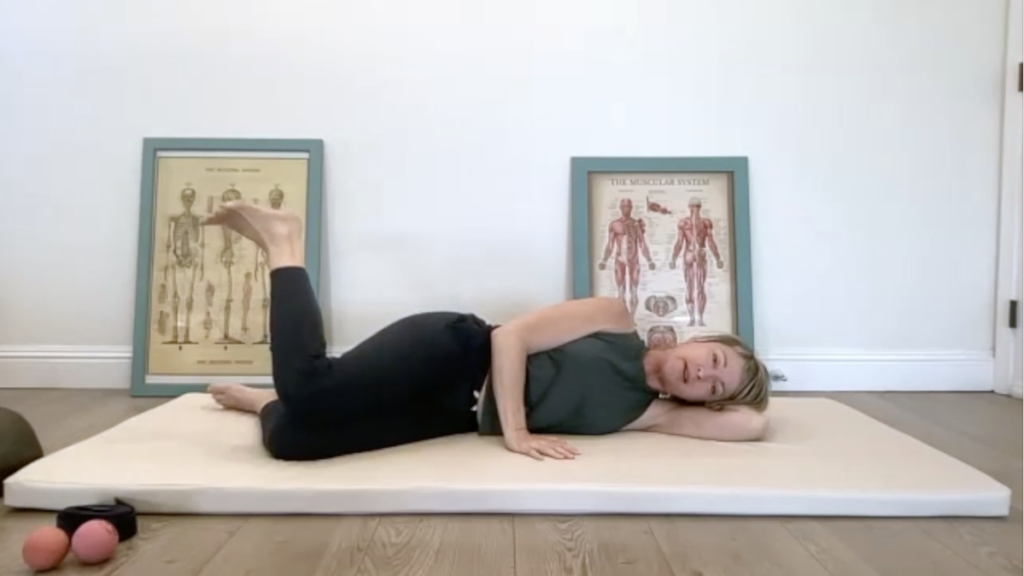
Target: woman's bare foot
[277,232]
[241,398]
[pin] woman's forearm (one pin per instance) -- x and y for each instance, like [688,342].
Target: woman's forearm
[508,379]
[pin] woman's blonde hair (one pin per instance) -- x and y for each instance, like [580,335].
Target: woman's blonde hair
[755,380]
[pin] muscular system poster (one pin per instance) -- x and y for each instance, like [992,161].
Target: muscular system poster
[210,289]
[663,243]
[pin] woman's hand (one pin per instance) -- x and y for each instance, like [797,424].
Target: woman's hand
[537,447]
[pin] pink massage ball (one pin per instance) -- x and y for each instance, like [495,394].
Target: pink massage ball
[94,542]
[45,548]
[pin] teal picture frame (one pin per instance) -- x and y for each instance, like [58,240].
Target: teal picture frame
[669,169]
[307,161]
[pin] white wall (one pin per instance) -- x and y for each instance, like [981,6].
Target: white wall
[872,127]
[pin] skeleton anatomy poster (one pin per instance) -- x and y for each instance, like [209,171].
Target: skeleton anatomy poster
[663,242]
[209,289]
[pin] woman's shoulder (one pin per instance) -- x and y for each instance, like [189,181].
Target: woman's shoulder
[610,346]
[617,338]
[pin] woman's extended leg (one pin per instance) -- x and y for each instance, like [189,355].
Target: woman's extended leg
[287,437]
[411,380]
[413,360]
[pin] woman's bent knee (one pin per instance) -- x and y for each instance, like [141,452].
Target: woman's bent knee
[281,438]
[281,445]
[285,438]
[284,451]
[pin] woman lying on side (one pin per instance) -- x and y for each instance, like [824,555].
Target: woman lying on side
[576,367]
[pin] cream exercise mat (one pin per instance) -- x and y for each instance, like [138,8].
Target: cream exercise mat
[821,458]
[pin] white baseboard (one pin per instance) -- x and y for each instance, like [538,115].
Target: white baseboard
[912,372]
[84,367]
[97,367]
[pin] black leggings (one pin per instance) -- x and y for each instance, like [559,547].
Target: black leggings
[411,381]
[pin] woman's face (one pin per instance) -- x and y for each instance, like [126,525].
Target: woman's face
[697,371]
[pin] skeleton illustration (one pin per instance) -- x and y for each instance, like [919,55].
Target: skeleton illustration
[185,242]
[227,260]
[262,271]
[211,289]
[161,323]
[246,300]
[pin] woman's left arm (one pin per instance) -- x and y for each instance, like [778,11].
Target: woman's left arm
[540,330]
[729,424]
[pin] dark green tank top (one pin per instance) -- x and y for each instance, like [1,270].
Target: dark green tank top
[593,385]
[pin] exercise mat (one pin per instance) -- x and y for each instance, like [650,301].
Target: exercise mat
[821,458]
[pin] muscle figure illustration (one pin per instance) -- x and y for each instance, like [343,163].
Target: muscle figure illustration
[696,237]
[657,208]
[227,260]
[660,306]
[661,337]
[627,239]
[262,271]
[184,267]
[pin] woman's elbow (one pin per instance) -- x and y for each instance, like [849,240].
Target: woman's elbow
[741,425]
[752,427]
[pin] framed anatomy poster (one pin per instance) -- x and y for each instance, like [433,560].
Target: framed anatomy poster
[203,292]
[671,238]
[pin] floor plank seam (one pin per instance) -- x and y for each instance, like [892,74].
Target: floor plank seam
[369,544]
[661,548]
[800,542]
[968,561]
[515,547]
[223,546]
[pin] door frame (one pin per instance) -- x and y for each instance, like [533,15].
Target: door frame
[1010,205]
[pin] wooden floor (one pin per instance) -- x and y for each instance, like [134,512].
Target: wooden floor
[983,430]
